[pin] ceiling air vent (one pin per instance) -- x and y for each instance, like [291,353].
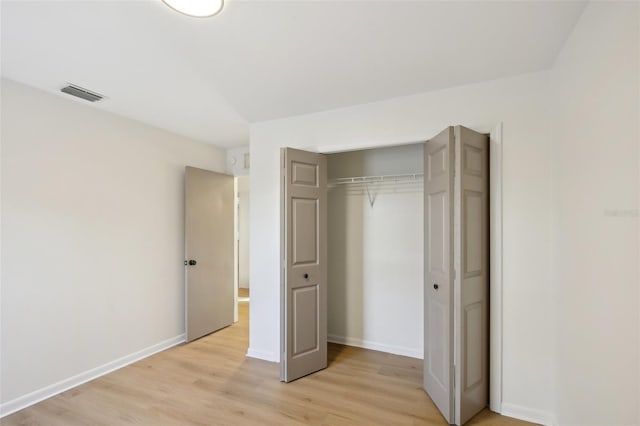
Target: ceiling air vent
[81,93]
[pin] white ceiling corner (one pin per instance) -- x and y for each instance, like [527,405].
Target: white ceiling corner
[208,79]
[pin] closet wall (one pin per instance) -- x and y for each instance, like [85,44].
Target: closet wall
[375,252]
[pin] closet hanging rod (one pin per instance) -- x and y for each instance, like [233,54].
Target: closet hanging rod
[381,178]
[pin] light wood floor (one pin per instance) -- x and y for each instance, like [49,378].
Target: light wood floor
[211,382]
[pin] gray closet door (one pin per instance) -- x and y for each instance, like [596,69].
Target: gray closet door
[456,272]
[471,218]
[209,228]
[304,263]
[438,273]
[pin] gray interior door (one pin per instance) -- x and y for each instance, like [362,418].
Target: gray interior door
[304,263]
[438,273]
[209,250]
[471,254]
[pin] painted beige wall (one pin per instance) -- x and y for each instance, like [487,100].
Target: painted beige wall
[92,243]
[596,229]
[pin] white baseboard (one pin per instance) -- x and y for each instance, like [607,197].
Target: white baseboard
[263,355]
[528,414]
[366,344]
[34,397]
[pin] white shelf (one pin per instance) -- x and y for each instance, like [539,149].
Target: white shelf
[411,177]
[374,185]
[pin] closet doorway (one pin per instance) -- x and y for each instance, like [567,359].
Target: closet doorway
[375,241]
[375,288]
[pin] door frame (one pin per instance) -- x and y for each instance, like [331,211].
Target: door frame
[236,253]
[495,268]
[236,241]
[496,141]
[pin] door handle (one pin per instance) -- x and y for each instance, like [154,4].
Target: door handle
[435,286]
[191,262]
[306,276]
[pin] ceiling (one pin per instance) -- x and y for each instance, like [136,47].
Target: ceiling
[207,79]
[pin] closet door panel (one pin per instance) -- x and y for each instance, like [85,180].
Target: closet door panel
[471,240]
[304,264]
[438,285]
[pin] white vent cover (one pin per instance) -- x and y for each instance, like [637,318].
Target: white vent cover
[82,93]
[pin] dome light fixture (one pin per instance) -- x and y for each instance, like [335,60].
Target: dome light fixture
[196,8]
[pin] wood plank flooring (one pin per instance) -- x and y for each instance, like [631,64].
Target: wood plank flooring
[211,382]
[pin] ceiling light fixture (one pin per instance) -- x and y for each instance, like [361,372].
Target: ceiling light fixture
[196,8]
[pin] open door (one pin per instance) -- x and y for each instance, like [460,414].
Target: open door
[456,272]
[438,271]
[304,264]
[209,250]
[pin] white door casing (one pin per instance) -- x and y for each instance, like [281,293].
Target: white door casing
[495,269]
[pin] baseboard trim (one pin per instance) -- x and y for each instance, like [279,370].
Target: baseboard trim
[528,414]
[263,355]
[46,392]
[366,344]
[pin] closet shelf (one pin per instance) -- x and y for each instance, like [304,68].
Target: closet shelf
[381,182]
[411,177]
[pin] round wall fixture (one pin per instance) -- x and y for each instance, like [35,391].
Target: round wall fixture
[196,8]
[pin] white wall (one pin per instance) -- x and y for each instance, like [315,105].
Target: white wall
[596,217]
[92,244]
[375,260]
[522,104]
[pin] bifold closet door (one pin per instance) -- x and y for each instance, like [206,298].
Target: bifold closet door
[304,263]
[471,254]
[209,229]
[438,265]
[456,272]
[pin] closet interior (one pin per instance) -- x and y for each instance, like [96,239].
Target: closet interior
[375,249]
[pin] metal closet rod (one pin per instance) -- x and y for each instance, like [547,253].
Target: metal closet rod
[381,178]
